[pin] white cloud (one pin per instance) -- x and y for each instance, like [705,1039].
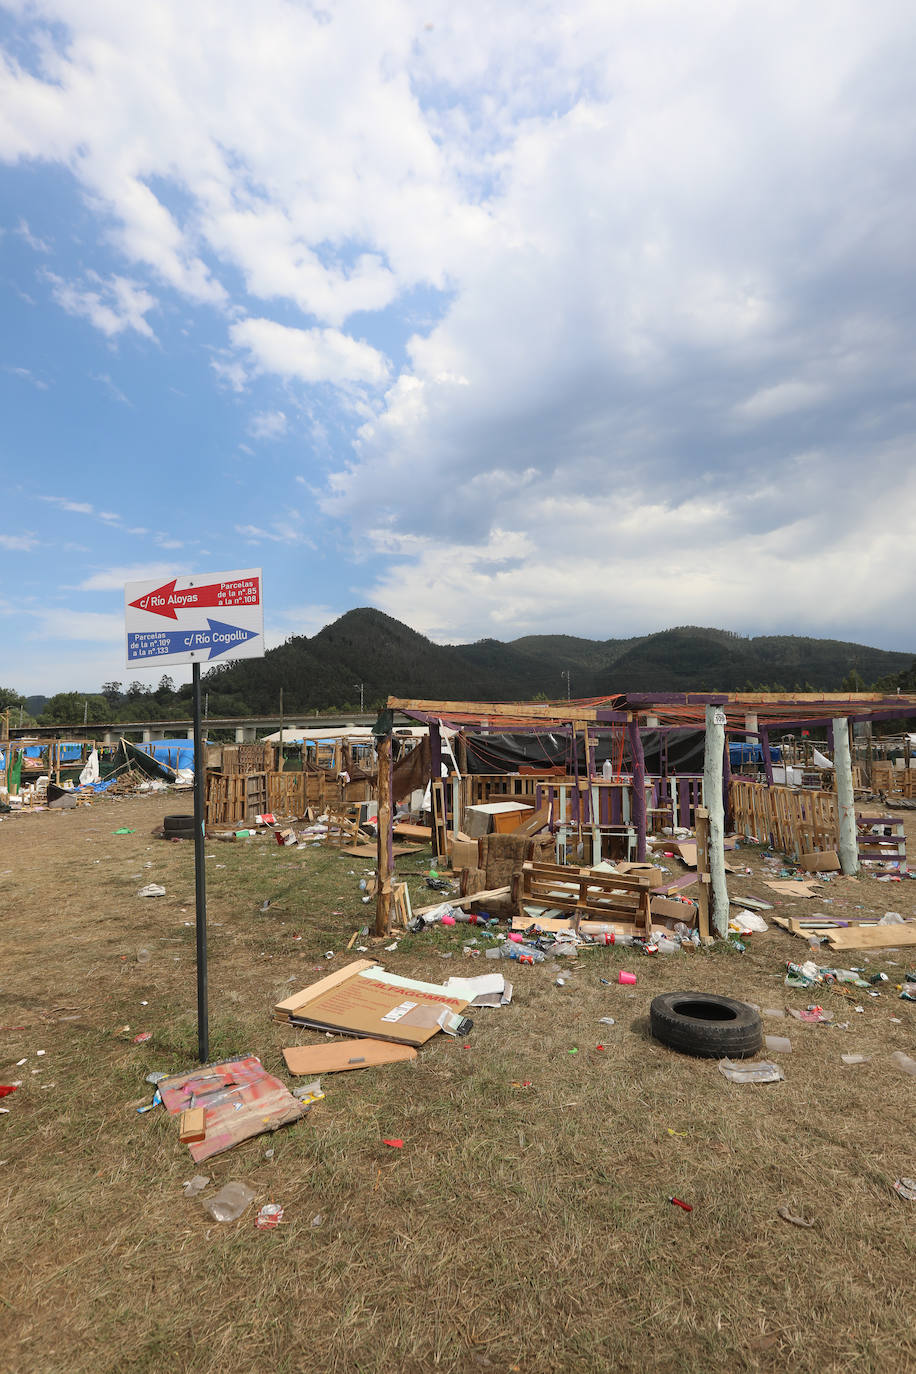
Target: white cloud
[37,244]
[105,380]
[774,401]
[306,619]
[268,424]
[309,355]
[112,306]
[60,623]
[280,532]
[26,375]
[622,274]
[18,543]
[74,507]
[114,579]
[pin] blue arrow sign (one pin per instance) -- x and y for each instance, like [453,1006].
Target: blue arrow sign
[219,639]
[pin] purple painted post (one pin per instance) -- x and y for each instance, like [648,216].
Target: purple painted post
[435,773]
[726,785]
[639,788]
[764,738]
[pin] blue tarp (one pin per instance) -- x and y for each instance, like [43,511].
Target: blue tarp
[750,753]
[177,753]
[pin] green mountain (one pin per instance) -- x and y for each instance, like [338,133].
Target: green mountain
[387,657]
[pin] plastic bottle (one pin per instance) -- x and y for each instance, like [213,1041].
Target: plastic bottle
[230,1202]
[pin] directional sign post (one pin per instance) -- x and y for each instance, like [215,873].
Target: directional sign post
[189,620]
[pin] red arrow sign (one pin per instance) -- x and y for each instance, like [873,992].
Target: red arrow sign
[167,601]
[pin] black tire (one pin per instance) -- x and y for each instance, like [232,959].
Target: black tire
[705,1025]
[178,827]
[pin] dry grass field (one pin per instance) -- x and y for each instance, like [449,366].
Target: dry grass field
[525,1225]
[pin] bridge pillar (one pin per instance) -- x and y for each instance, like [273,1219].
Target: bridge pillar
[245,734]
[147,736]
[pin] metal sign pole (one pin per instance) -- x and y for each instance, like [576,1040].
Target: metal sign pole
[200,880]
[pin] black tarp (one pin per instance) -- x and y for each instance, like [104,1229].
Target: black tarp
[669,751]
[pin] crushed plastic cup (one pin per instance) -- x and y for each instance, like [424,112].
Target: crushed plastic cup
[904,1063]
[760,1072]
[230,1202]
[855,1058]
[778,1044]
[195,1185]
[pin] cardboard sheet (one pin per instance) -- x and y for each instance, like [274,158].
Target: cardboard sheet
[240,1100]
[370,1002]
[790,888]
[345,1055]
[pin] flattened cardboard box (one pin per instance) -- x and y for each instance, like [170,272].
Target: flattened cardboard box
[377,1004]
[820,861]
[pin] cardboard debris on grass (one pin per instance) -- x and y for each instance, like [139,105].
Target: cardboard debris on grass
[239,1098]
[363,1000]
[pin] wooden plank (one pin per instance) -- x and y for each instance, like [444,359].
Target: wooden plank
[370,851]
[872,937]
[465,901]
[413,832]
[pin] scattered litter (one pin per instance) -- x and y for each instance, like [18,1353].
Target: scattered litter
[626,978]
[269,1217]
[7,1088]
[774,1012]
[241,1100]
[906,1188]
[309,1092]
[778,1044]
[795,1220]
[394,1143]
[607,1020]
[155,1077]
[684,1206]
[748,923]
[316,1221]
[904,1063]
[142,1038]
[230,1202]
[761,1072]
[813,1015]
[152,890]
[856,1058]
[195,1185]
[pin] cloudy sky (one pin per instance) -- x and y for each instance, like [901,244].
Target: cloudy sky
[590,317]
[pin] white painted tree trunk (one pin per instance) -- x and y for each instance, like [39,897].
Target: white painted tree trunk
[845,805]
[712,798]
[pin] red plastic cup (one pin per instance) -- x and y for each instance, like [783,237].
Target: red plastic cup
[624,977]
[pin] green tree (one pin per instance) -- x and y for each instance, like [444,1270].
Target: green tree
[68,708]
[111,691]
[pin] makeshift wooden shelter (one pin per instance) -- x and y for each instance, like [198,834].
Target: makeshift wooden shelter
[619,804]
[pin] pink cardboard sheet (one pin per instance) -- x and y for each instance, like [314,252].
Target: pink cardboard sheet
[240,1100]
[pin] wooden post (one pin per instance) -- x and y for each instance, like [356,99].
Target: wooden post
[385,838]
[462,759]
[847,848]
[712,798]
[280,758]
[639,788]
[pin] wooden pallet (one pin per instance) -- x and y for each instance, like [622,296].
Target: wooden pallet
[584,892]
[236,797]
[286,794]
